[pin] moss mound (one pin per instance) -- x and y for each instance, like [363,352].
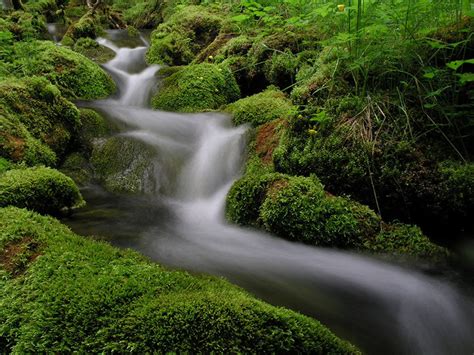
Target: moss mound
[44,190]
[178,40]
[37,122]
[261,108]
[75,75]
[88,26]
[93,50]
[297,208]
[123,164]
[197,88]
[404,239]
[88,296]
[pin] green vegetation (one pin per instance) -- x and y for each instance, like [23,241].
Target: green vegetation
[183,35]
[114,300]
[37,122]
[124,164]
[76,76]
[197,88]
[297,208]
[261,108]
[93,50]
[41,189]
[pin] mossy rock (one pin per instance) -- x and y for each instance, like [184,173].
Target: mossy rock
[34,118]
[78,168]
[178,40]
[88,26]
[94,125]
[18,145]
[298,208]
[404,239]
[197,88]
[124,164]
[93,50]
[5,165]
[75,75]
[94,298]
[261,108]
[41,189]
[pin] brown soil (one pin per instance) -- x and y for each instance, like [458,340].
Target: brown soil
[16,256]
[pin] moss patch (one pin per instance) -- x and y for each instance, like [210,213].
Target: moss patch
[261,108]
[75,75]
[36,121]
[178,40]
[44,190]
[197,88]
[123,164]
[93,50]
[91,297]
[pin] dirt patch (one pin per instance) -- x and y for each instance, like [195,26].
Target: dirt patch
[268,137]
[16,256]
[16,146]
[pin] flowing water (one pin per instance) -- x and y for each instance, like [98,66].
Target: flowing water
[379,306]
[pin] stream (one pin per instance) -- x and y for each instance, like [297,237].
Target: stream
[379,306]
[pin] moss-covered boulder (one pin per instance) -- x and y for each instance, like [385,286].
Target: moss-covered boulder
[93,50]
[197,88]
[258,109]
[62,292]
[37,122]
[41,189]
[178,40]
[298,208]
[18,145]
[124,164]
[405,239]
[88,26]
[75,75]
[93,125]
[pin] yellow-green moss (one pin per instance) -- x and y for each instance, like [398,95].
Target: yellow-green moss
[41,189]
[261,108]
[197,88]
[75,75]
[178,40]
[90,297]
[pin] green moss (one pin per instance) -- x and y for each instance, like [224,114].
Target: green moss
[246,197]
[87,26]
[88,296]
[124,165]
[75,75]
[93,126]
[77,167]
[93,50]
[297,208]
[403,239]
[18,145]
[197,88]
[33,114]
[5,165]
[178,40]
[261,108]
[23,25]
[44,190]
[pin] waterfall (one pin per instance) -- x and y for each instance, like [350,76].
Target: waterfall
[379,306]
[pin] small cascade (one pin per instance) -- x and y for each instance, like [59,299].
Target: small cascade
[379,306]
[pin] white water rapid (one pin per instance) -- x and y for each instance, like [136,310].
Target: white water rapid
[378,306]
